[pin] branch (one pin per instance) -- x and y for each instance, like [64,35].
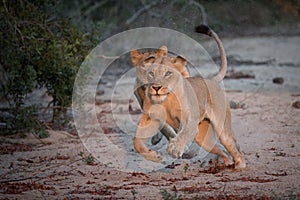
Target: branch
[5,7]
[95,7]
[150,12]
[139,12]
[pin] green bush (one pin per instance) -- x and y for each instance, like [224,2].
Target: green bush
[39,50]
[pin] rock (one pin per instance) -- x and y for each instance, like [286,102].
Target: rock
[296,104]
[100,92]
[278,80]
[236,105]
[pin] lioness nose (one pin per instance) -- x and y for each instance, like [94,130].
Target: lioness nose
[156,87]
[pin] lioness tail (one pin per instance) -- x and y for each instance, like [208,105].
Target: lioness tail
[207,31]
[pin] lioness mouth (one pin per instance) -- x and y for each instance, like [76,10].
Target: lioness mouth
[159,94]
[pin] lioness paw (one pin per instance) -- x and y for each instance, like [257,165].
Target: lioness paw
[240,164]
[174,149]
[152,156]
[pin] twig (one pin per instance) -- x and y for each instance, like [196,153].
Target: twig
[150,12]
[139,12]
[96,6]
[15,26]
[5,7]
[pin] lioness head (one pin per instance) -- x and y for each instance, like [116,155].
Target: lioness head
[143,62]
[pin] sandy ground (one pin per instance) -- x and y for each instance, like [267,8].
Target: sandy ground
[266,125]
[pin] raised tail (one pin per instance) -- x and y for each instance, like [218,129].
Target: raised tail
[207,31]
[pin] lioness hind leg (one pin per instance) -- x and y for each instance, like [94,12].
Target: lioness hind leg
[226,137]
[146,129]
[206,139]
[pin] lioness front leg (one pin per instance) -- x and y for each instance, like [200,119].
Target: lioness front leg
[179,144]
[146,129]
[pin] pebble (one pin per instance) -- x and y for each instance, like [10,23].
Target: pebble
[278,80]
[296,104]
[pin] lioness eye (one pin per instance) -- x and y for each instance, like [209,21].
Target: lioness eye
[168,73]
[151,74]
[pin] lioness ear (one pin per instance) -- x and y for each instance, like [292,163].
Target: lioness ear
[180,64]
[180,60]
[162,51]
[136,56]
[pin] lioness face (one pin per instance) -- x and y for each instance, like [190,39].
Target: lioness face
[161,81]
[158,71]
[143,62]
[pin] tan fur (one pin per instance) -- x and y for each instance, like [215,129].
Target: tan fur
[190,105]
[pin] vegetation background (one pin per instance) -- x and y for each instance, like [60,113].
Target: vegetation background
[44,42]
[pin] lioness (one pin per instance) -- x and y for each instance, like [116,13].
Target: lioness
[189,105]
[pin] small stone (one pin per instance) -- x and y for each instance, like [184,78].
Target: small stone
[235,105]
[296,104]
[278,80]
[232,104]
[100,92]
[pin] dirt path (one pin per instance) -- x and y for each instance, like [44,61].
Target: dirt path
[266,126]
[59,167]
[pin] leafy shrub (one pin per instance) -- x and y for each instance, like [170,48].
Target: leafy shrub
[38,50]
